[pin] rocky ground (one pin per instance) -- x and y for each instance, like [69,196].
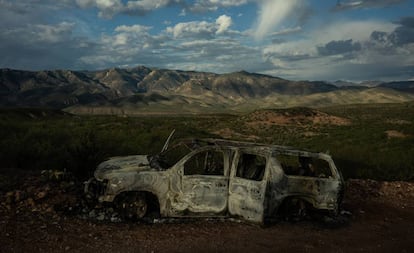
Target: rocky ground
[47,213]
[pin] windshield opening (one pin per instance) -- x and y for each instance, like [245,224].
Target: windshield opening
[167,158]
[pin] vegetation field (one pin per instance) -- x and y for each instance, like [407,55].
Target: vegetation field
[366,141]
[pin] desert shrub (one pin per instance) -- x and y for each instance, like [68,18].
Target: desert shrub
[59,141]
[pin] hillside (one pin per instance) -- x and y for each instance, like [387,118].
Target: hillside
[143,90]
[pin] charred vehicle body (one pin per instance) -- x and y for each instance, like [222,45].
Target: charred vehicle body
[219,178]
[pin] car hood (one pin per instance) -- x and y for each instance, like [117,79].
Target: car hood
[124,164]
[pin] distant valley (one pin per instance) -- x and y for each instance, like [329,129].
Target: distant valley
[143,90]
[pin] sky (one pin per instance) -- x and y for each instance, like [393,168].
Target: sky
[352,40]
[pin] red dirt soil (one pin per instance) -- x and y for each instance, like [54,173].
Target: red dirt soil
[382,220]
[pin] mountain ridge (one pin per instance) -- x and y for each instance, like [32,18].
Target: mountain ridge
[142,87]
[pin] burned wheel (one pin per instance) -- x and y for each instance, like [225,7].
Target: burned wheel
[133,205]
[294,209]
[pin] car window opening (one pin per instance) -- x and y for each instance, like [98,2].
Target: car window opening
[251,167]
[304,166]
[205,163]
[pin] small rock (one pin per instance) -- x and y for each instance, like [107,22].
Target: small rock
[30,202]
[30,190]
[9,197]
[67,248]
[101,217]
[92,214]
[19,196]
[115,218]
[41,195]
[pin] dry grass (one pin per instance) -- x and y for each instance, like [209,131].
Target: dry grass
[395,134]
[301,117]
[228,133]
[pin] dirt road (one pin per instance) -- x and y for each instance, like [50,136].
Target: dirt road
[382,220]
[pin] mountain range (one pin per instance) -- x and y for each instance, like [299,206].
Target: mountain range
[150,90]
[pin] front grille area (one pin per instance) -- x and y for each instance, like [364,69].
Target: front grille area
[95,188]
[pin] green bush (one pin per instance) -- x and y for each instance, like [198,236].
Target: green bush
[60,141]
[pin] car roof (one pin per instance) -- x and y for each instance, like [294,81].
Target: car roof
[265,148]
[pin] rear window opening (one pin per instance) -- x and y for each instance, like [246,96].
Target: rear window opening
[305,166]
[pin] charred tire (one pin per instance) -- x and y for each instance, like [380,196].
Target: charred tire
[132,205]
[294,209]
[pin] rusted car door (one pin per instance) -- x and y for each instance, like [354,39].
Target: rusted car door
[315,179]
[205,183]
[247,186]
[321,192]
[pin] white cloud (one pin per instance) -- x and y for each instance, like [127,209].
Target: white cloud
[107,8]
[349,49]
[40,33]
[353,4]
[148,5]
[129,45]
[287,31]
[355,30]
[134,37]
[223,22]
[226,3]
[213,5]
[42,46]
[138,29]
[201,29]
[192,29]
[358,31]
[53,33]
[110,8]
[272,14]
[218,55]
[341,50]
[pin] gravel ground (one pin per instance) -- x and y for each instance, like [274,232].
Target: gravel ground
[44,215]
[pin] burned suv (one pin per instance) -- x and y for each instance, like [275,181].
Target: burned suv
[218,178]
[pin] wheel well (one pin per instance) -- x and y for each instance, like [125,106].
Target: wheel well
[293,203]
[153,203]
[152,200]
